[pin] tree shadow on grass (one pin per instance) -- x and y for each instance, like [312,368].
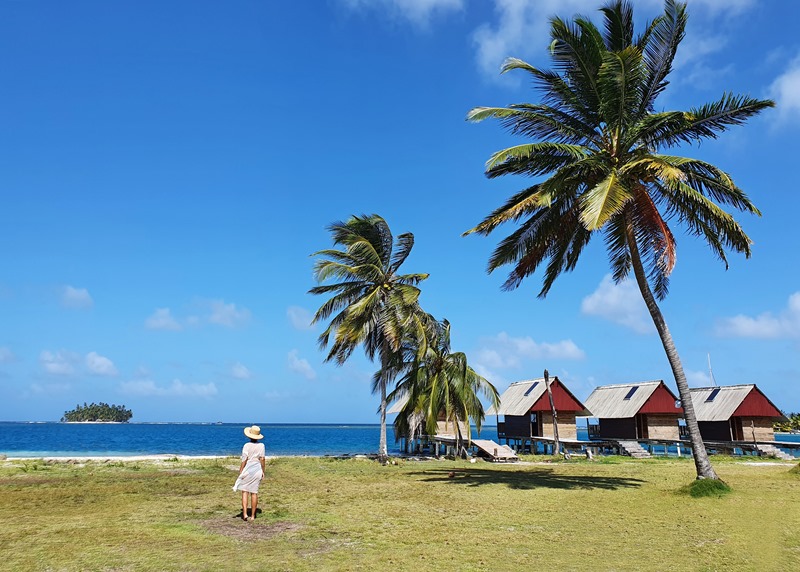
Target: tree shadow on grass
[526,479]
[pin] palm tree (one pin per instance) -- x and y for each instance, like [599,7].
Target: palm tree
[438,384]
[598,140]
[370,303]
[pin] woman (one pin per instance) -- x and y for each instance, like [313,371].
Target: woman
[251,471]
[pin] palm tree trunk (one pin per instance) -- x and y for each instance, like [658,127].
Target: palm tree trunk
[701,461]
[556,444]
[383,452]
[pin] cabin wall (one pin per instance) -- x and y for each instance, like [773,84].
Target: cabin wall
[518,425]
[715,430]
[449,428]
[566,425]
[663,427]
[617,428]
[762,428]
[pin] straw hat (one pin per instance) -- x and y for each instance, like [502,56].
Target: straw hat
[253,432]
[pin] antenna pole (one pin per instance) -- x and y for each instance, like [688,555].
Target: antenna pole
[711,372]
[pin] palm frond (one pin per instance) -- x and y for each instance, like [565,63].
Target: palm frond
[534,158]
[713,118]
[618,25]
[603,201]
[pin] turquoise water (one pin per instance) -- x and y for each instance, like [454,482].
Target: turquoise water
[127,439]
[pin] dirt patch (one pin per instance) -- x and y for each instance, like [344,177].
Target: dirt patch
[248,531]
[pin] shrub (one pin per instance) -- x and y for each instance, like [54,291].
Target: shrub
[708,488]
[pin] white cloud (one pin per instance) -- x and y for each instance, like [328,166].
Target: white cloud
[521,30]
[766,325]
[7,356]
[99,365]
[300,365]
[504,352]
[721,7]
[162,320]
[49,388]
[76,298]
[61,362]
[239,371]
[619,303]
[698,378]
[177,388]
[785,90]
[418,12]
[300,318]
[227,314]
[205,312]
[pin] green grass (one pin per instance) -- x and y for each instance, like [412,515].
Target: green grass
[323,514]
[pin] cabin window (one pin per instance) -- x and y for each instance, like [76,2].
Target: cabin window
[527,393]
[712,395]
[631,392]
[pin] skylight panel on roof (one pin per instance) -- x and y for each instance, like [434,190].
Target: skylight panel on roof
[712,395]
[535,383]
[631,392]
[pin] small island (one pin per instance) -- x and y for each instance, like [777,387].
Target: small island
[97,413]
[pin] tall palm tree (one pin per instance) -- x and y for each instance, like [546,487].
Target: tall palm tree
[438,384]
[370,303]
[598,140]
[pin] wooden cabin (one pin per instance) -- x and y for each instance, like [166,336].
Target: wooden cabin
[526,411]
[734,413]
[418,435]
[646,410]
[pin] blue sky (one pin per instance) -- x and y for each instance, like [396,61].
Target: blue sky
[167,169]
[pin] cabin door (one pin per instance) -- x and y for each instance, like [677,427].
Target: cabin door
[641,427]
[736,429]
[536,425]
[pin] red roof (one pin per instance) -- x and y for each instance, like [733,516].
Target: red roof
[756,404]
[662,401]
[562,399]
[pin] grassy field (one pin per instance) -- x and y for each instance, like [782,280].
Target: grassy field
[327,514]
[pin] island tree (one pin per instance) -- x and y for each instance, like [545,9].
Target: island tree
[598,143]
[98,412]
[371,304]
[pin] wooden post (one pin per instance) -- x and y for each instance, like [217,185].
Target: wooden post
[556,444]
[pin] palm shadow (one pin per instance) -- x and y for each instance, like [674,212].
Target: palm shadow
[526,479]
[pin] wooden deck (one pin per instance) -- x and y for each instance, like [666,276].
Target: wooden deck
[494,451]
[662,447]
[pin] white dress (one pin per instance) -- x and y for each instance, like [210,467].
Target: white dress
[248,481]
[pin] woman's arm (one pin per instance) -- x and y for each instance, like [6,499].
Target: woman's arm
[241,467]
[263,467]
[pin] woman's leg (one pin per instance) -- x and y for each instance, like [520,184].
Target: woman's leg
[244,505]
[254,504]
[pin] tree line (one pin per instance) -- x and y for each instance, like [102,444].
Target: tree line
[792,423]
[373,306]
[98,412]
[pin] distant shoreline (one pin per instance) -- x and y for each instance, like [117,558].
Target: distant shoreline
[92,422]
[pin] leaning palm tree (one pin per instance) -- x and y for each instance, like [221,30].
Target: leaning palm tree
[370,303]
[439,385]
[598,141]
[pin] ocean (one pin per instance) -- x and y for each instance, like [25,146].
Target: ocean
[131,439]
